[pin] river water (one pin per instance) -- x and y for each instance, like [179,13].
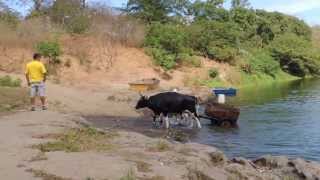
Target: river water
[278,119]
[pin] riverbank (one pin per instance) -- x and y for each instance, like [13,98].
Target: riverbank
[136,156]
[32,145]
[242,80]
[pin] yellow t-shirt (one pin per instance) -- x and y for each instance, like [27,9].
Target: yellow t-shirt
[35,70]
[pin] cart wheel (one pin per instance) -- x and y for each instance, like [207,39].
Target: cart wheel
[226,124]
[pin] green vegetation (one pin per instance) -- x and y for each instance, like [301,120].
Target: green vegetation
[8,81]
[160,146]
[129,176]
[12,98]
[256,42]
[213,73]
[50,49]
[79,140]
[44,175]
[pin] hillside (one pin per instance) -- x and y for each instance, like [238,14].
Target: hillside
[217,47]
[126,65]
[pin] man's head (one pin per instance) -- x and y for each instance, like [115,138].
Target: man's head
[37,56]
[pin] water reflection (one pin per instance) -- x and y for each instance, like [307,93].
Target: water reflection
[279,119]
[259,95]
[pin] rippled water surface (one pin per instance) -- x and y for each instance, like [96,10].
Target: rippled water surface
[278,119]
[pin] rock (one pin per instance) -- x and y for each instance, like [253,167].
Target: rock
[241,161]
[305,170]
[272,162]
[218,158]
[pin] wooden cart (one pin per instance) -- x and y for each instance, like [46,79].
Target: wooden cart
[221,114]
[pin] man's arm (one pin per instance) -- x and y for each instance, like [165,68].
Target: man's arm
[27,75]
[44,77]
[27,78]
[44,71]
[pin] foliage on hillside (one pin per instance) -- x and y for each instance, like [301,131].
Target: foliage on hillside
[255,40]
[173,32]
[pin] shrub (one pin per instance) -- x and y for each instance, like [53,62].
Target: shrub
[262,62]
[296,55]
[214,39]
[213,73]
[171,38]
[163,58]
[50,49]
[166,42]
[7,81]
[189,60]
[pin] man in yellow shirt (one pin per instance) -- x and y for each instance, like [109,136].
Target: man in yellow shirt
[36,75]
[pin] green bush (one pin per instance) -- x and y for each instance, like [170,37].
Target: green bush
[213,73]
[215,40]
[189,60]
[7,81]
[166,43]
[163,58]
[262,62]
[50,49]
[296,55]
[171,38]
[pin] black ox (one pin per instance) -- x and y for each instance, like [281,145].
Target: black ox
[167,103]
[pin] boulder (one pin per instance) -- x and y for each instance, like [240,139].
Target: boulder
[272,161]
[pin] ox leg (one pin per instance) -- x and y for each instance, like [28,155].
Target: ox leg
[155,121]
[198,123]
[190,119]
[166,122]
[178,119]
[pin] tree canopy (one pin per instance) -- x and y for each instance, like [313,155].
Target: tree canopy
[210,30]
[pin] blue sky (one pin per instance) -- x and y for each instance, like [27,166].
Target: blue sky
[308,10]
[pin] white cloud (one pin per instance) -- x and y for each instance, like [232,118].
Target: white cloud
[294,6]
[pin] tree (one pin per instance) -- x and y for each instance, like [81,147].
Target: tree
[240,4]
[8,16]
[156,10]
[209,10]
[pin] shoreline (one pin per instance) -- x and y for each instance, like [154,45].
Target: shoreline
[129,154]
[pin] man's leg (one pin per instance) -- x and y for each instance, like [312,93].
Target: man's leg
[33,103]
[42,93]
[43,102]
[33,92]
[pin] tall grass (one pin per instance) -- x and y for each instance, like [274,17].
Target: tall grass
[27,33]
[116,27]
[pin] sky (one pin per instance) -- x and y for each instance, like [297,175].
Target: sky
[308,10]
